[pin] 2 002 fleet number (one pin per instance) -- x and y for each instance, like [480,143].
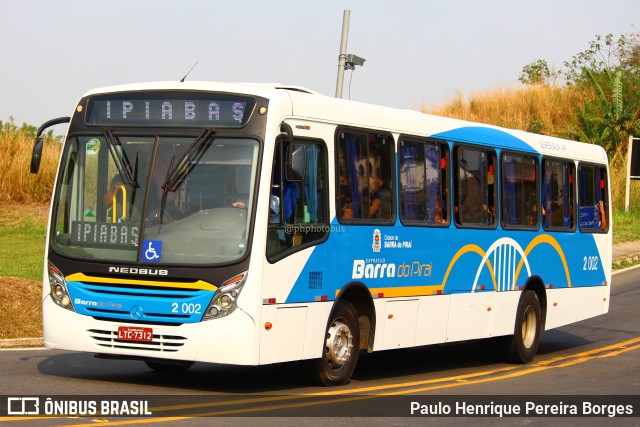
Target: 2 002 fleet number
[186,308]
[590,263]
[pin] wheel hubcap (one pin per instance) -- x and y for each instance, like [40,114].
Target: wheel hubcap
[339,344]
[529,327]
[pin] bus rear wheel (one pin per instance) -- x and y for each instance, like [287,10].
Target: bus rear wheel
[341,347]
[522,346]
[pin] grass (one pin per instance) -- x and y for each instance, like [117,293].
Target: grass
[22,236]
[626,226]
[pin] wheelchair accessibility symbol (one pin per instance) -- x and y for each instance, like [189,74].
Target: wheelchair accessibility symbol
[151,250]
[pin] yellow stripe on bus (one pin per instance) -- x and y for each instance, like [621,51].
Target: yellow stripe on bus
[200,284]
[407,291]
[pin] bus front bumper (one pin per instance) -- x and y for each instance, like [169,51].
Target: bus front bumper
[221,340]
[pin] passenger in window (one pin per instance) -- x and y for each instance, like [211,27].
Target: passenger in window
[603,216]
[488,211]
[344,198]
[438,216]
[375,186]
[531,208]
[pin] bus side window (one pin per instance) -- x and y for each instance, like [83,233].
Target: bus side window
[423,182]
[297,209]
[365,190]
[474,187]
[558,195]
[592,198]
[520,191]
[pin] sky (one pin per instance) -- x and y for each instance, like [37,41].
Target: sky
[418,52]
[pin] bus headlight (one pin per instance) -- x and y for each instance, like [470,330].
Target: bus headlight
[225,300]
[59,293]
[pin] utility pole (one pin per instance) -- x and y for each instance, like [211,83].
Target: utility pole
[345,62]
[343,52]
[628,177]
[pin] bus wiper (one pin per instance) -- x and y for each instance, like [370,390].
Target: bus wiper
[181,170]
[122,163]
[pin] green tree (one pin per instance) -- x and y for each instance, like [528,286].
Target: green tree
[537,72]
[606,119]
[609,76]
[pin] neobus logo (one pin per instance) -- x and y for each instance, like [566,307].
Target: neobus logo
[135,270]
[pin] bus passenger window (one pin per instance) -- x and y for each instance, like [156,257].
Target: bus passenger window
[423,182]
[520,191]
[558,195]
[474,187]
[364,176]
[592,198]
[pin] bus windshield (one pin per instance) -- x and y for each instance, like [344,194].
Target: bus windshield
[155,198]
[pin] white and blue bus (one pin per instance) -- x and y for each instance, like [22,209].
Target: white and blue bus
[253,224]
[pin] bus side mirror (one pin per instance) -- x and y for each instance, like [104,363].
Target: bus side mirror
[296,162]
[36,156]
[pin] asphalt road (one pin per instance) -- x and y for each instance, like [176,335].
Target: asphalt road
[597,357]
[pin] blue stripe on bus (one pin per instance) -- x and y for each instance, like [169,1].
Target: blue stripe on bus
[153,305]
[427,261]
[485,135]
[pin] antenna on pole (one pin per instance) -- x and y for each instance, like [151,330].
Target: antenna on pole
[188,72]
[345,62]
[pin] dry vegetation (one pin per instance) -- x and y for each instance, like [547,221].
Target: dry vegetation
[17,185]
[21,308]
[543,109]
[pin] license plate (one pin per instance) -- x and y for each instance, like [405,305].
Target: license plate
[131,333]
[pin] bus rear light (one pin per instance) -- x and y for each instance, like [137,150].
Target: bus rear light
[321,298]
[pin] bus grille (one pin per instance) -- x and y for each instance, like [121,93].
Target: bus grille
[138,290]
[160,343]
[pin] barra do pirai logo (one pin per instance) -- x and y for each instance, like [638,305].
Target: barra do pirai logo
[376,240]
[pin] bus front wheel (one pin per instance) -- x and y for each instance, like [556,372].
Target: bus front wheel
[341,346]
[522,346]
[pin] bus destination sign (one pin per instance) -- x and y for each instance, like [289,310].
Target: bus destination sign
[169,109]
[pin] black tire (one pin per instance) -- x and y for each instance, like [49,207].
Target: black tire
[522,346]
[341,347]
[169,366]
